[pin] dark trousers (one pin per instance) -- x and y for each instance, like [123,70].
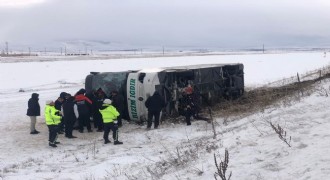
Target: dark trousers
[119,119]
[69,122]
[98,122]
[152,114]
[84,121]
[188,113]
[107,128]
[53,129]
[61,125]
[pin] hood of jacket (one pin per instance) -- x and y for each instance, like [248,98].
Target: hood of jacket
[35,96]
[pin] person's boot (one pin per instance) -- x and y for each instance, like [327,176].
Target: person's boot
[81,131]
[57,142]
[117,143]
[89,130]
[52,144]
[33,132]
[107,141]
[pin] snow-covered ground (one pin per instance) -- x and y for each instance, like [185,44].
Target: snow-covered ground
[173,151]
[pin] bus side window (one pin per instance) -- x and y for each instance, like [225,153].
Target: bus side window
[141,77]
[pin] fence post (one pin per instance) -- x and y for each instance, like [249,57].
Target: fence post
[298,77]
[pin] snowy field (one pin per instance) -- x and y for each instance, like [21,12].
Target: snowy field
[173,151]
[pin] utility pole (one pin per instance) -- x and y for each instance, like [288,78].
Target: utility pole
[29,51]
[7,49]
[61,51]
[263,49]
[64,50]
[163,51]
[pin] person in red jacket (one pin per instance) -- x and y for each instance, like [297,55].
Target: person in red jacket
[85,109]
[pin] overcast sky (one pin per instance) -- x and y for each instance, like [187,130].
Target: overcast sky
[195,23]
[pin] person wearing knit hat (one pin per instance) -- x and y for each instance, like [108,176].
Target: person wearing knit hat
[52,118]
[107,101]
[109,116]
[49,102]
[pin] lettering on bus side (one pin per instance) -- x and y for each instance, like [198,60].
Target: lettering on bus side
[132,93]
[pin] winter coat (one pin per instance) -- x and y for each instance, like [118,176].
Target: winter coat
[84,105]
[52,116]
[188,102]
[155,102]
[109,113]
[33,105]
[58,104]
[97,103]
[70,109]
[118,102]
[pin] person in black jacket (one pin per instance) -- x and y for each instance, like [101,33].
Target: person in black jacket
[70,113]
[58,105]
[118,103]
[97,99]
[155,104]
[33,111]
[188,103]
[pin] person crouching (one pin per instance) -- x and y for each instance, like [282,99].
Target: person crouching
[53,118]
[109,115]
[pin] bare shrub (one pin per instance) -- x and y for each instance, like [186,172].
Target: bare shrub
[222,167]
[116,172]
[211,147]
[323,91]
[181,157]
[281,133]
[89,177]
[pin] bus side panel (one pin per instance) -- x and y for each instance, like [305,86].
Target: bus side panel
[132,96]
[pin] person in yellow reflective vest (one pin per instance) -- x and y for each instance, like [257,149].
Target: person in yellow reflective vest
[53,118]
[109,115]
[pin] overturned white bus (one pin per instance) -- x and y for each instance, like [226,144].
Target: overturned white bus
[211,81]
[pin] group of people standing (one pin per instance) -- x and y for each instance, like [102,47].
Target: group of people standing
[188,105]
[69,111]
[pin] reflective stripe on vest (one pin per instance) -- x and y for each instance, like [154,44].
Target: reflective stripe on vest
[109,114]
